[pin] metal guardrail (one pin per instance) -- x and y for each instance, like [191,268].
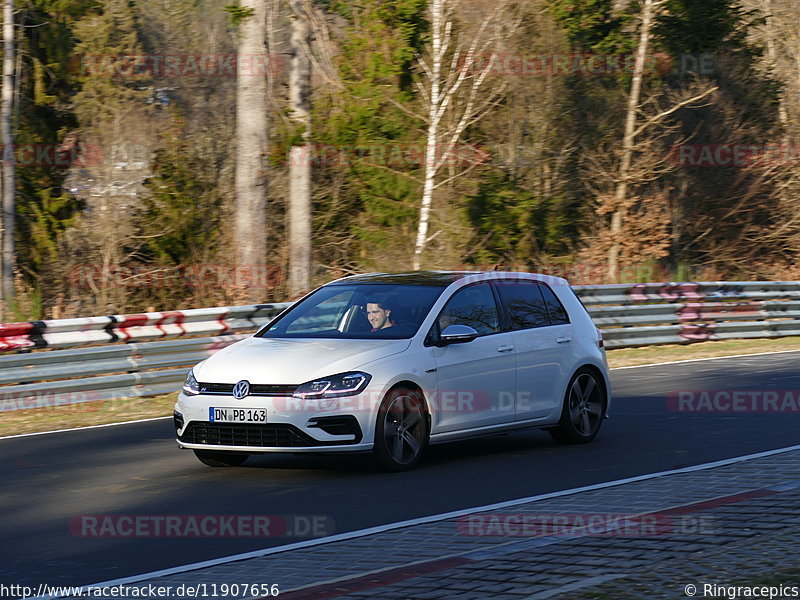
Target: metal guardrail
[678,313]
[103,358]
[66,333]
[72,361]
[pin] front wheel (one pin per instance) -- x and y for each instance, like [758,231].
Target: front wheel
[221,458]
[584,407]
[401,431]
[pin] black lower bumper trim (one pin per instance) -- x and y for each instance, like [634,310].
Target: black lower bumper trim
[270,435]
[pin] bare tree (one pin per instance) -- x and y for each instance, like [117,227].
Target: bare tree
[251,138]
[633,128]
[300,155]
[457,92]
[775,176]
[772,55]
[9,175]
[648,15]
[780,35]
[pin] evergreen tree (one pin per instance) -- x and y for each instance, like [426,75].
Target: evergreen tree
[364,144]
[46,146]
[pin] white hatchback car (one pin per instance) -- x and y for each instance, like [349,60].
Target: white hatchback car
[388,363]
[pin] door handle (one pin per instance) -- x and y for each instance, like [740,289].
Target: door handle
[563,340]
[505,348]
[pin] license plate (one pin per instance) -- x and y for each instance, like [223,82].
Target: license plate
[237,415]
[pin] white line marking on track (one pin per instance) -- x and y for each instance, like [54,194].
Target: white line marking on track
[430,519]
[21,435]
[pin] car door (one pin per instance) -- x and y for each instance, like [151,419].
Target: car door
[542,337]
[475,379]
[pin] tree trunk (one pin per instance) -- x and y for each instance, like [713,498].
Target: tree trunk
[621,189]
[434,114]
[457,97]
[772,58]
[9,184]
[251,141]
[300,156]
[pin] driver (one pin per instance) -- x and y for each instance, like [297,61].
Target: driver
[379,314]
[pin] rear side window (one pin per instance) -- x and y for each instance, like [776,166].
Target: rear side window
[473,306]
[556,310]
[525,304]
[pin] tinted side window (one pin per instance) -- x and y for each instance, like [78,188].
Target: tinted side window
[525,304]
[558,314]
[473,306]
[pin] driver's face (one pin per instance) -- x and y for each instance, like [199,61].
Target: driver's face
[378,317]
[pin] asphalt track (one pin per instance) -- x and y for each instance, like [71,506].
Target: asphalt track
[136,469]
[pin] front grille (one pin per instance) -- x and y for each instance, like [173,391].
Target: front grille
[272,390]
[270,435]
[216,388]
[226,389]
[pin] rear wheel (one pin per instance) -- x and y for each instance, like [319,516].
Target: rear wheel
[401,431]
[220,458]
[584,407]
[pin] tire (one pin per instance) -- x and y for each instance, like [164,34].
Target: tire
[220,458]
[583,411]
[401,432]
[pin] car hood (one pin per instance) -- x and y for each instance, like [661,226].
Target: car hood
[292,361]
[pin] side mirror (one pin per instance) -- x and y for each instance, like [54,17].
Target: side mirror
[457,334]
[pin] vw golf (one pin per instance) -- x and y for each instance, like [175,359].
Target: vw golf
[388,363]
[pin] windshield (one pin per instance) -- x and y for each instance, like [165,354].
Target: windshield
[357,311]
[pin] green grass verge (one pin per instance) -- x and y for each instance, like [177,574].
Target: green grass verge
[625,357]
[85,414]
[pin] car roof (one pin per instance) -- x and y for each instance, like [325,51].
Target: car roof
[439,278]
[436,278]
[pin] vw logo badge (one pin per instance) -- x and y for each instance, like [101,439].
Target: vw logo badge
[241,389]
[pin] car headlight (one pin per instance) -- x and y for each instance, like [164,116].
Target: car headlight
[335,386]
[190,386]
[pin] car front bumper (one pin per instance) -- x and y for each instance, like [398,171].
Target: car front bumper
[292,425]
